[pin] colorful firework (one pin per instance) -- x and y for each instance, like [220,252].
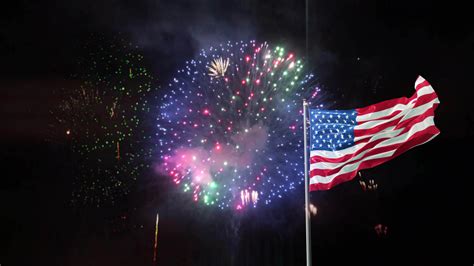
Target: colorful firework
[102,120]
[234,139]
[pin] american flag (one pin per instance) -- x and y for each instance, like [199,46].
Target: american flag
[346,141]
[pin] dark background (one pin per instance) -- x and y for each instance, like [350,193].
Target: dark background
[362,52]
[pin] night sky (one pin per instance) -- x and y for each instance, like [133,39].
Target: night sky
[361,52]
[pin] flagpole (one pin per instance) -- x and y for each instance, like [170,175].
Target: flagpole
[306,190]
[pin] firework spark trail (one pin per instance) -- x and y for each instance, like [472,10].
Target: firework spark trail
[221,135]
[156,236]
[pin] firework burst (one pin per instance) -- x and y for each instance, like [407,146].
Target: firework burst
[102,120]
[218,67]
[233,138]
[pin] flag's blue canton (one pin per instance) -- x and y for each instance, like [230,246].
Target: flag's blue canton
[332,129]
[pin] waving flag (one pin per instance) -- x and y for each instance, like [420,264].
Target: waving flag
[344,142]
